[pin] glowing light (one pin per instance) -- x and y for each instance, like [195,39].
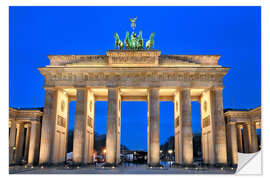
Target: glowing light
[170,151]
[104,151]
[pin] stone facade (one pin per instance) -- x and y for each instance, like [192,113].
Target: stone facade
[241,128]
[21,120]
[126,75]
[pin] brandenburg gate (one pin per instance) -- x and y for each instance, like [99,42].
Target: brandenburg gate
[132,75]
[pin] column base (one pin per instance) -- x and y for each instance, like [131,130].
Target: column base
[156,165]
[177,165]
[50,164]
[110,165]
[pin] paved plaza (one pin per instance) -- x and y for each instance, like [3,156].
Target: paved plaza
[139,169]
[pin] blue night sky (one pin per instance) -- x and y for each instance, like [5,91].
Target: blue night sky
[232,32]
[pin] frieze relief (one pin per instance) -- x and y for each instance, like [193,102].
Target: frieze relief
[61,121]
[135,76]
[206,121]
[132,60]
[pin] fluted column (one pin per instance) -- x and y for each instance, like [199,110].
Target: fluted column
[239,139]
[178,145]
[207,128]
[217,116]
[48,127]
[247,138]
[26,145]
[185,120]
[90,127]
[112,138]
[12,142]
[80,153]
[232,143]
[19,143]
[254,140]
[153,127]
[34,143]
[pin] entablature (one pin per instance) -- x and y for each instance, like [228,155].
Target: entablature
[234,116]
[25,115]
[133,76]
[133,58]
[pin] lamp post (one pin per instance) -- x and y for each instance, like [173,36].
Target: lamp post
[13,152]
[104,152]
[170,155]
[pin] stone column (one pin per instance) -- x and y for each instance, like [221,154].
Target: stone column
[12,142]
[34,143]
[26,145]
[90,125]
[178,145]
[48,127]
[66,148]
[207,128]
[185,120]
[154,131]
[112,137]
[80,154]
[19,143]
[232,143]
[217,116]
[239,139]
[247,138]
[254,140]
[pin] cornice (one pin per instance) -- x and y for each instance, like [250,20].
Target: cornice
[135,58]
[243,116]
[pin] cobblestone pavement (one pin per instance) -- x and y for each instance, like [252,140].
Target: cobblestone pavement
[140,169]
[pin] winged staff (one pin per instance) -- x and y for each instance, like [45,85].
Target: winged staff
[133,21]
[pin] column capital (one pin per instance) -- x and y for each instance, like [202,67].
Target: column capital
[214,88]
[154,87]
[231,123]
[35,122]
[184,88]
[19,123]
[80,87]
[28,125]
[50,88]
[239,126]
[113,88]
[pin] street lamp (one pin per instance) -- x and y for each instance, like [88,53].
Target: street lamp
[170,153]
